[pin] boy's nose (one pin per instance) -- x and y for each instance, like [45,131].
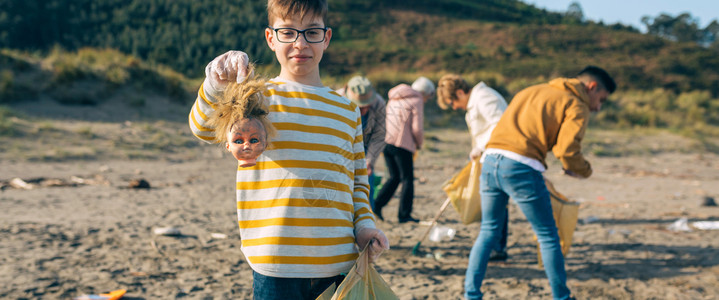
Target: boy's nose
[301,40]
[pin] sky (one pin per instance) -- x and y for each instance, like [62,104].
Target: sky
[630,12]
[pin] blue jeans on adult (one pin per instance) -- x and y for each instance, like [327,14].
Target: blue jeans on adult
[501,179]
[276,288]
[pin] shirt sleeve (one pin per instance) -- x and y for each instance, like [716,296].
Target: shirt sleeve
[203,107]
[377,133]
[363,216]
[568,148]
[418,123]
[490,108]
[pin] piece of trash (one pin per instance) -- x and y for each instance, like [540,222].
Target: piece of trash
[139,184]
[438,255]
[20,184]
[590,219]
[114,295]
[708,201]
[217,235]
[680,225]
[706,225]
[441,233]
[601,198]
[169,231]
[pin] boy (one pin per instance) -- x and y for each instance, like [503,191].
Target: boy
[303,207]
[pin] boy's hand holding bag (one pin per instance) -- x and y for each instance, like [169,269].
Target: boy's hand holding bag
[362,282]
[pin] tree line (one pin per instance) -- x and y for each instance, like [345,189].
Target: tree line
[683,28]
[185,34]
[528,42]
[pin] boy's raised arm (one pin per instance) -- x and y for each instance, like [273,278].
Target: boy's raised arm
[232,66]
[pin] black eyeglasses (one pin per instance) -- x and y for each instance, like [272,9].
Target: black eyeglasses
[290,35]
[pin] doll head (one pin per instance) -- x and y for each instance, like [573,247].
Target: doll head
[246,140]
[240,120]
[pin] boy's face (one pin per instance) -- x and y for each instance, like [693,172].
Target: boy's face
[247,139]
[299,59]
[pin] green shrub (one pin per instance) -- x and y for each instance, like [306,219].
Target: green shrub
[7,85]
[8,122]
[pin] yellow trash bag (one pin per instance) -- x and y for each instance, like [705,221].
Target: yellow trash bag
[463,192]
[566,213]
[362,283]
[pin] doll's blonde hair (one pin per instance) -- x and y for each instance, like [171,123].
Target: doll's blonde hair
[240,101]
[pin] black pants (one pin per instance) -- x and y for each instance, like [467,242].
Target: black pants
[401,170]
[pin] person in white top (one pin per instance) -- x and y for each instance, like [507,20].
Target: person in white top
[484,107]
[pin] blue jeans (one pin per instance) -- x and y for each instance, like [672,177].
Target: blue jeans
[501,179]
[276,288]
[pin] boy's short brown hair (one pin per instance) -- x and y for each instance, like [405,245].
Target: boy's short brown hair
[447,88]
[285,9]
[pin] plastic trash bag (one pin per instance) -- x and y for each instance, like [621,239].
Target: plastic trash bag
[463,192]
[362,283]
[566,213]
[327,294]
[441,233]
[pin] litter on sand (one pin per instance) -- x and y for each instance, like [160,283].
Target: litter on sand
[217,235]
[114,295]
[441,233]
[169,231]
[680,225]
[706,225]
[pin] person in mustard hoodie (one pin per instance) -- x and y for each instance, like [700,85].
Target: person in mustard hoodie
[540,118]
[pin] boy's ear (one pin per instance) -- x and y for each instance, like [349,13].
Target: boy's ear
[328,37]
[269,37]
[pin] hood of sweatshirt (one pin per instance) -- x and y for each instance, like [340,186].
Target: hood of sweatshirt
[404,92]
[572,85]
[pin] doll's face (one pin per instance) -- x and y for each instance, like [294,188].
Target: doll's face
[247,140]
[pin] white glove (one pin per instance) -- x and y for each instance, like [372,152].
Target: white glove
[232,66]
[475,153]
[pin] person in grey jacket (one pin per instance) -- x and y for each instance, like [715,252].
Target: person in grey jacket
[372,109]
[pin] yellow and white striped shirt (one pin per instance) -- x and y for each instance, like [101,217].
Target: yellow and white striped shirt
[301,206]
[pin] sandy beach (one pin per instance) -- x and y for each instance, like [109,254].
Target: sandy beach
[89,232]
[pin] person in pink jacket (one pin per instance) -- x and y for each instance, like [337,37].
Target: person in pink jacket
[404,136]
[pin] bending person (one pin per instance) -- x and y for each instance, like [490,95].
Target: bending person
[484,107]
[540,118]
